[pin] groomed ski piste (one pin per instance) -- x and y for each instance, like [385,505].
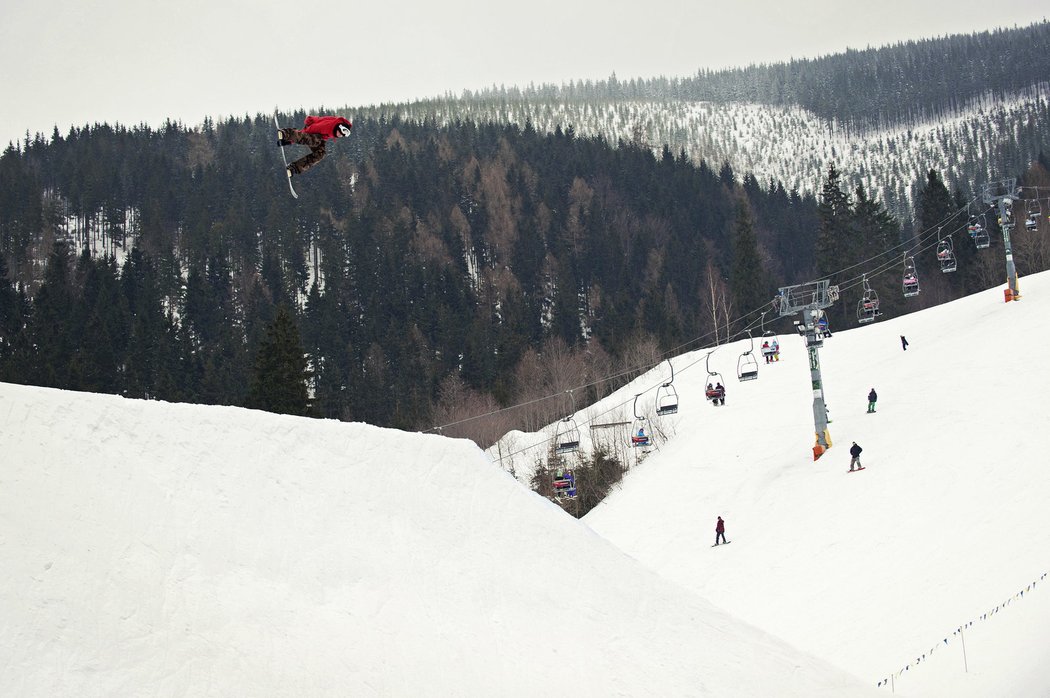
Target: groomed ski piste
[876,571]
[162,549]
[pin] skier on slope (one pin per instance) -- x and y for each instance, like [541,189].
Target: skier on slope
[316,130]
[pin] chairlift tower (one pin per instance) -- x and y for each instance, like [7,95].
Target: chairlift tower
[1003,194]
[811,299]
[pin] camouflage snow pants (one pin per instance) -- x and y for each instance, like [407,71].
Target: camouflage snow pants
[313,141]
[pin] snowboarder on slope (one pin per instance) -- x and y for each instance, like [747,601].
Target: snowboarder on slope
[855,460]
[904,343]
[720,530]
[872,397]
[316,130]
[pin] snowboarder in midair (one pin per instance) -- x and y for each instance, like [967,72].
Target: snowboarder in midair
[855,460]
[872,397]
[316,130]
[720,531]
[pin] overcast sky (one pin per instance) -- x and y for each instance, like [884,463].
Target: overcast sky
[72,62]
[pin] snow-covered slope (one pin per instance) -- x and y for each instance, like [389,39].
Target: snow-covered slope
[177,550]
[871,570]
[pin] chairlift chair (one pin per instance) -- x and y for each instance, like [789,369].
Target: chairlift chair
[1031,219]
[563,483]
[978,230]
[746,365]
[910,279]
[770,343]
[713,392]
[639,438]
[946,255]
[868,307]
[567,436]
[667,396]
[823,329]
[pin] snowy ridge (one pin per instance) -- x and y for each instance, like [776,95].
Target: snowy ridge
[792,145]
[158,549]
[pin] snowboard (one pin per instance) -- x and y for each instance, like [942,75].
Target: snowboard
[855,470]
[285,158]
[718,544]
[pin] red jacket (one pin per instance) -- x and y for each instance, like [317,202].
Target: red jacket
[720,527]
[324,125]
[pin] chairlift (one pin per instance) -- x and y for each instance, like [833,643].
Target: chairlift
[910,279]
[946,255]
[868,307]
[978,230]
[767,334]
[563,482]
[746,365]
[823,328]
[567,437]
[814,339]
[715,391]
[638,436]
[1031,219]
[1009,221]
[770,343]
[667,396]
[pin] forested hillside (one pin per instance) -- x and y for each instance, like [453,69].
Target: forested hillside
[428,253]
[437,268]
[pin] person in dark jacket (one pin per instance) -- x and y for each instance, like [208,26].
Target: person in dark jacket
[315,131]
[855,460]
[720,531]
[872,397]
[904,343]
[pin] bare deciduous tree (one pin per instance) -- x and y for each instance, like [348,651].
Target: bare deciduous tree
[716,302]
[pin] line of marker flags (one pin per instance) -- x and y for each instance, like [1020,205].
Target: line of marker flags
[921,658]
